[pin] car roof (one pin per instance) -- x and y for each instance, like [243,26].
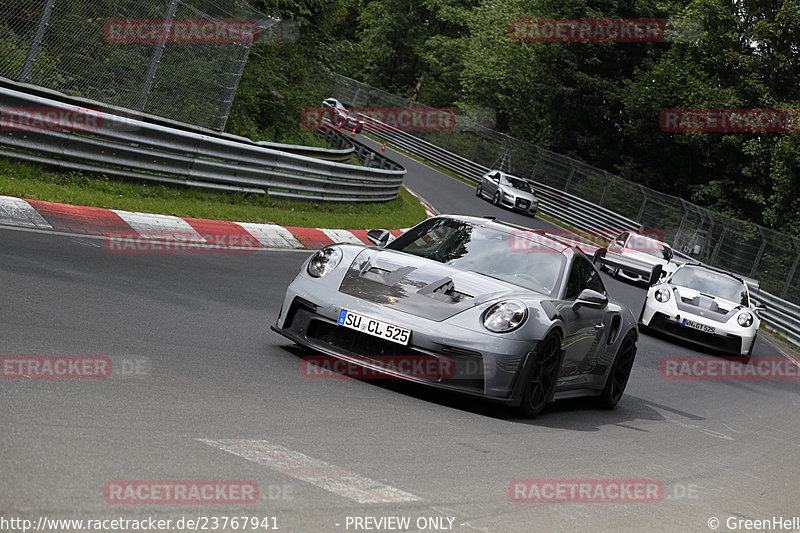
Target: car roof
[551,241]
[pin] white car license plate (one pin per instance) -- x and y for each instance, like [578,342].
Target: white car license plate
[375,327]
[701,327]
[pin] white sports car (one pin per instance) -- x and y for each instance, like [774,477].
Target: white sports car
[633,255]
[704,305]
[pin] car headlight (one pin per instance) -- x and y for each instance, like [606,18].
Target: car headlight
[323,262]
[505,316]
[745,319]
[663,295]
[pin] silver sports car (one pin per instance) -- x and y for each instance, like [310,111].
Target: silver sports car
[508,191]
[504,312]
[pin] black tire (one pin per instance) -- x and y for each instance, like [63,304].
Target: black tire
[542,378]
[496,199]
[619,373]
[479,189]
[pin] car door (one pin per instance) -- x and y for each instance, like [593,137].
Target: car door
[586,327]
[493,182]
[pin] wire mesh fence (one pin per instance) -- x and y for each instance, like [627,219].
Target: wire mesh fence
[735,245]
[179,59]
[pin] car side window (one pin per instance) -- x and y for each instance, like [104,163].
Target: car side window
[583,276]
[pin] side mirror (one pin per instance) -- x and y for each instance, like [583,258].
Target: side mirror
[600,252]
[378,237]
[591,298]
[655,274]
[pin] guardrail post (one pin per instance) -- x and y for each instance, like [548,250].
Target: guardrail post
[38,37]
[793,269]
[155,59]
[760,252]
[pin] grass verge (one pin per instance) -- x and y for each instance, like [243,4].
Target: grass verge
[25,180]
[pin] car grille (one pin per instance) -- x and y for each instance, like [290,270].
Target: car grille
[468,365]
[730,343]
[523,204]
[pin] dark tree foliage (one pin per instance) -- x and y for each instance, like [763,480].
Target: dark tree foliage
[598,101]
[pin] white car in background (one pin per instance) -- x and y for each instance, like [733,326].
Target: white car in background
[633,255]
[706,306]
[508,191]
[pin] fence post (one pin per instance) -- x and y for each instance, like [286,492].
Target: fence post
[680,226]
[760,252]
[569,179]
[229,94]
[644,203]
[38,37]
[605,189]
[719,244]
[475,150]
[155,59]
[792,270]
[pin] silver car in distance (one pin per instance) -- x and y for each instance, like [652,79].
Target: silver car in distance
[706,306]
[506,313]
[508,191]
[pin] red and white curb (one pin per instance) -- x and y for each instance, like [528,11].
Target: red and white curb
[126,224]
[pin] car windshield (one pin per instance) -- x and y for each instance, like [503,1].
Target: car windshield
[518,184]
[515,257]
[640,243]
[711,283]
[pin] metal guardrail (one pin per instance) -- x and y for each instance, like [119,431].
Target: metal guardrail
[341,154]
[780,315]
[565,207]
[130,148]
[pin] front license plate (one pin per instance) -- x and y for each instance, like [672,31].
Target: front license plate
[374,327]
[701,327]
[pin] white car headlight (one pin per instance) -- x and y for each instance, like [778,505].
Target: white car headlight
[663,295]
[505,316]
[323,262]
[745,319]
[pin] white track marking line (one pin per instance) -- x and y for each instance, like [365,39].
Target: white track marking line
[271,235]
[17,211]
[318,473]
[160,226]
[341,235]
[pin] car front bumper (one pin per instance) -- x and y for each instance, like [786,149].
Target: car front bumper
[487,366]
